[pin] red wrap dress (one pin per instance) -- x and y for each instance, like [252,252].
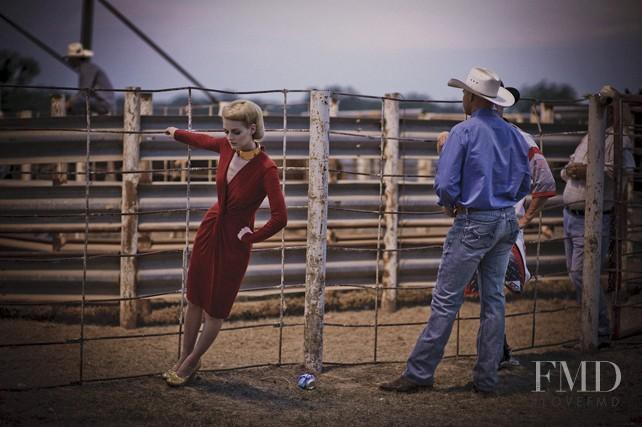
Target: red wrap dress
[219,259]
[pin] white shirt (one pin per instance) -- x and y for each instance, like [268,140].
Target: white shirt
[575,189]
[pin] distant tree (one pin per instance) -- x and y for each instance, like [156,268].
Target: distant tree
[427,107]
[16,69]
[545,90]
[20,70]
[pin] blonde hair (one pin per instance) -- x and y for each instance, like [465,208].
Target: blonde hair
[247,112]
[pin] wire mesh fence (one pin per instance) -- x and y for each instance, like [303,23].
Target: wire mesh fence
[369,248]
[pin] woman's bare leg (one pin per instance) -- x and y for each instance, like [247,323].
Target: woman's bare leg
[192,323]
[210,331]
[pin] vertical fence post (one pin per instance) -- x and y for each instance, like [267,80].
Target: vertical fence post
[60,172]
[547,113]
[424,168]
[317,230]
[144,306]
[391,195]
[593,224]
[129,221]
[364,167]
[25,169]
[334,164]
[58,110]
[146,109]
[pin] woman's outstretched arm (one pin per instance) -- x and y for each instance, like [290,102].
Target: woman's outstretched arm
[194,139]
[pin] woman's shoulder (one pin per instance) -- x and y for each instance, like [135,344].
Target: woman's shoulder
[266,160]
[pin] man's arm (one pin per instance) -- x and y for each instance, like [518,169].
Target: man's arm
[543,183]
[449,170]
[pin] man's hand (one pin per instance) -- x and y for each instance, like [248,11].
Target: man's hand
[243,232]
[523,222]
[170,131]
[441,141]
[449,211]
[576,170]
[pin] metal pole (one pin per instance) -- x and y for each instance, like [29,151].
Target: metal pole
[87,23]
[129,231]
[317,230]
[154,46]
[593,224]
[391,196]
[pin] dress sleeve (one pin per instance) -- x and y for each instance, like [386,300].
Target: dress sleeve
[199,140]
[278,210]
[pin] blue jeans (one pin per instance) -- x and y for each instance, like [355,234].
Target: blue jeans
[477,240]
[574,248]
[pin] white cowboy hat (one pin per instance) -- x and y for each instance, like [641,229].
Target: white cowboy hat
[486,84]
[75,50]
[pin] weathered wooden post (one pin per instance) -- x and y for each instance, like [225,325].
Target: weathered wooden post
[25,168]
[334,164]
[144,306]
[58,106]
[146,109]
[58,110]
[317,230]
[547,114]
[593,224]
[391,196]
[424,168]
[129,219]
[60,173]
[364,167]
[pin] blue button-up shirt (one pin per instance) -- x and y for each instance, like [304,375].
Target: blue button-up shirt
[483,165]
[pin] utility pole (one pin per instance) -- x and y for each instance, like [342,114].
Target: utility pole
[86,29]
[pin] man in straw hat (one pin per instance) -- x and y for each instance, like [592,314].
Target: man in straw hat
[483,171]
[90,76]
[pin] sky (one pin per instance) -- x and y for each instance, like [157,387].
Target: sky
[374,46]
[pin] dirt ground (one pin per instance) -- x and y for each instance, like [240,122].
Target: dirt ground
[346,392]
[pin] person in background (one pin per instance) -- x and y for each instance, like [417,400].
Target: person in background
[574,174]
[90,76]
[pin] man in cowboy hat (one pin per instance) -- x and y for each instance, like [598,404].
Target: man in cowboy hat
[543,187]
[90,76]
[483,171]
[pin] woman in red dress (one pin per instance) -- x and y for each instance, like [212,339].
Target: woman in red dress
[221,252]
